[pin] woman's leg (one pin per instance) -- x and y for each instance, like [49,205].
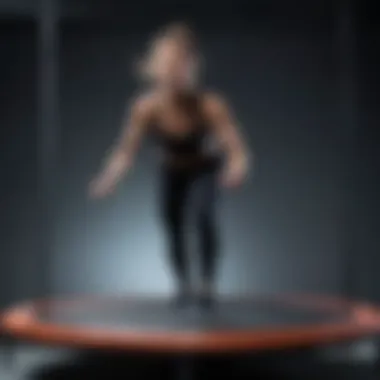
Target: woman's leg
[208,231]
[175,189]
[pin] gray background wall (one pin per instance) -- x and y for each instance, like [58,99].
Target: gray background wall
[286,230]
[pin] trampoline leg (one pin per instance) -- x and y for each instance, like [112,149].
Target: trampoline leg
[8,347]
[376,364]
[184,368]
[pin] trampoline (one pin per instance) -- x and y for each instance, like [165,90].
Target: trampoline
[151,325]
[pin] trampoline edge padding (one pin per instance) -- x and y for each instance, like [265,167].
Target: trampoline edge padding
[22,322]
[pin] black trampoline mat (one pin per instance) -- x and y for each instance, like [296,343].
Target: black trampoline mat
[161,316]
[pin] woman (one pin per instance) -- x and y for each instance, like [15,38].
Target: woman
[182,119]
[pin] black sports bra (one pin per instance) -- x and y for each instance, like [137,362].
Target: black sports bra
[193,143]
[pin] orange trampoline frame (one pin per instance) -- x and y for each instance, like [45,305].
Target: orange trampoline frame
[362,320]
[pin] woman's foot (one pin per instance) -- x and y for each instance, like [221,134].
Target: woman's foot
[182,298]
[206,301]
[207,297]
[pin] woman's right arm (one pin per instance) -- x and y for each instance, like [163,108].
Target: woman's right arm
[123,153]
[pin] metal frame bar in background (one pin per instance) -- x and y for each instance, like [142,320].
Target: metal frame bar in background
[345,49]
[48,14]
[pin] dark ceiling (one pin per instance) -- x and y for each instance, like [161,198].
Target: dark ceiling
[320,14]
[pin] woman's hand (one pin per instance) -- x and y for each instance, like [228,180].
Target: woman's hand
[102,186]
[235,172]
[105,184]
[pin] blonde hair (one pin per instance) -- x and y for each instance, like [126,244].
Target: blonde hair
[179,32]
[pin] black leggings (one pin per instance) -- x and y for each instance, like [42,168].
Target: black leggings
[191,192]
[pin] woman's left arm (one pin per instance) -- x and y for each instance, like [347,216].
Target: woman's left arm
[226,130]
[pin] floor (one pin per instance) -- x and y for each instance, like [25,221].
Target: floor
[39,363]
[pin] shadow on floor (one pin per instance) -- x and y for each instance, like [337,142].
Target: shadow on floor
[293,366]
